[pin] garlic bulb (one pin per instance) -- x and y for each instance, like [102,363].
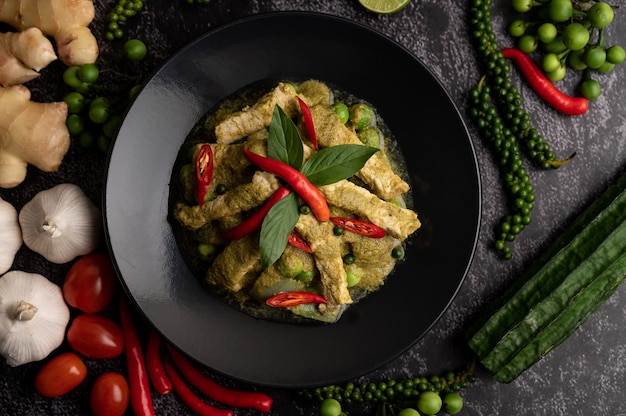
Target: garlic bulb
[10,235]
[33,317]
[61,223]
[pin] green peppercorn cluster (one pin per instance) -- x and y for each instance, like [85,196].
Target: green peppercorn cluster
[118,16]
[568,34]
[496,108]
[123,10]
[429,395]
[516,179]
[98,97]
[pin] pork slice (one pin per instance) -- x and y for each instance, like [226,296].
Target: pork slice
[240,199]
[376,173]
[258,116]
[398,222]
[327,252]
[237,266]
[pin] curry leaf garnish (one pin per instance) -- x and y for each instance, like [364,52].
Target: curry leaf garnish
[277,225]
[284,142]
[333,164]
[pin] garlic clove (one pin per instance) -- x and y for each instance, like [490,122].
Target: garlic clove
[61,223]
[10,235]
[30,295]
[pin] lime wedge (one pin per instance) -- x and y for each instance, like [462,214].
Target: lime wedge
[384,6]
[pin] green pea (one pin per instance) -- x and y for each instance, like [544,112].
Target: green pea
[338,230]
[560,10]
[361,115]
[342,111]
[330,407]
[88,73]
[75,124]
[595,56]
[590,89]
[99,113]
[575,36]
[349,258]
[207,250]
[615,54]
[75,101]
[528,43]
[452,403]
[576,61]
[87,139]
[551,62]
[306,276]
[517,28]
[370,136]
[135,50]
[429,403]
[352,278]
[408,412]
[221,189]
[547,32]
[600,15]
[397,252]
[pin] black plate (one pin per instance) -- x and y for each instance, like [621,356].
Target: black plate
[443,173]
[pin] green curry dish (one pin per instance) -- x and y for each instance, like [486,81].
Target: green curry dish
[349,179]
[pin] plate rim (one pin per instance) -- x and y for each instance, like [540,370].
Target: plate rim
[342,21]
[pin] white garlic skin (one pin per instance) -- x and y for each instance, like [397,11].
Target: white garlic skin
[61,223]
[10,235]
[44,317]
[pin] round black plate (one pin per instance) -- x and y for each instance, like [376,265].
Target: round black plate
[442,167]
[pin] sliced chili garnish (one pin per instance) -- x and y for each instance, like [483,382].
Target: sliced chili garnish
[359,227]
[297,241]
[303,187]
[254,222]
[204,171]
[307,119]
[286,299]
[554,97]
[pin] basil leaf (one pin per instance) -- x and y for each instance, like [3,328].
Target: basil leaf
[277,225]
[335,163]
[284,142]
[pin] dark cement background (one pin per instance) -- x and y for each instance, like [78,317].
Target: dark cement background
[584,376]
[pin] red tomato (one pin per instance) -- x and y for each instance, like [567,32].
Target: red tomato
[90,283]
[60,375]
[109,395]
[95,336]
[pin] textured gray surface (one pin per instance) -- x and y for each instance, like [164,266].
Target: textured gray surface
[586,375]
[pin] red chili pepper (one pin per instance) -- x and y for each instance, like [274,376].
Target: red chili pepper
[140,398]
[204,171]
[285,299]
[255,220]
[160,381]
[297,241]
[554,97]
[307,118]
[305,189]
[229,397]
[189,397]
[359,227]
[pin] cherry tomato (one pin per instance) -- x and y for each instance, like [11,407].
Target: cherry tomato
[109,395]
[60,375]
[95,336]
[90,283]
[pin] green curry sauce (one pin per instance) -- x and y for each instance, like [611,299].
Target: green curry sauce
[367,261]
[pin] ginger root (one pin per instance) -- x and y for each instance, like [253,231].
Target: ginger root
[66,21]
[30,132]
[23,55]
